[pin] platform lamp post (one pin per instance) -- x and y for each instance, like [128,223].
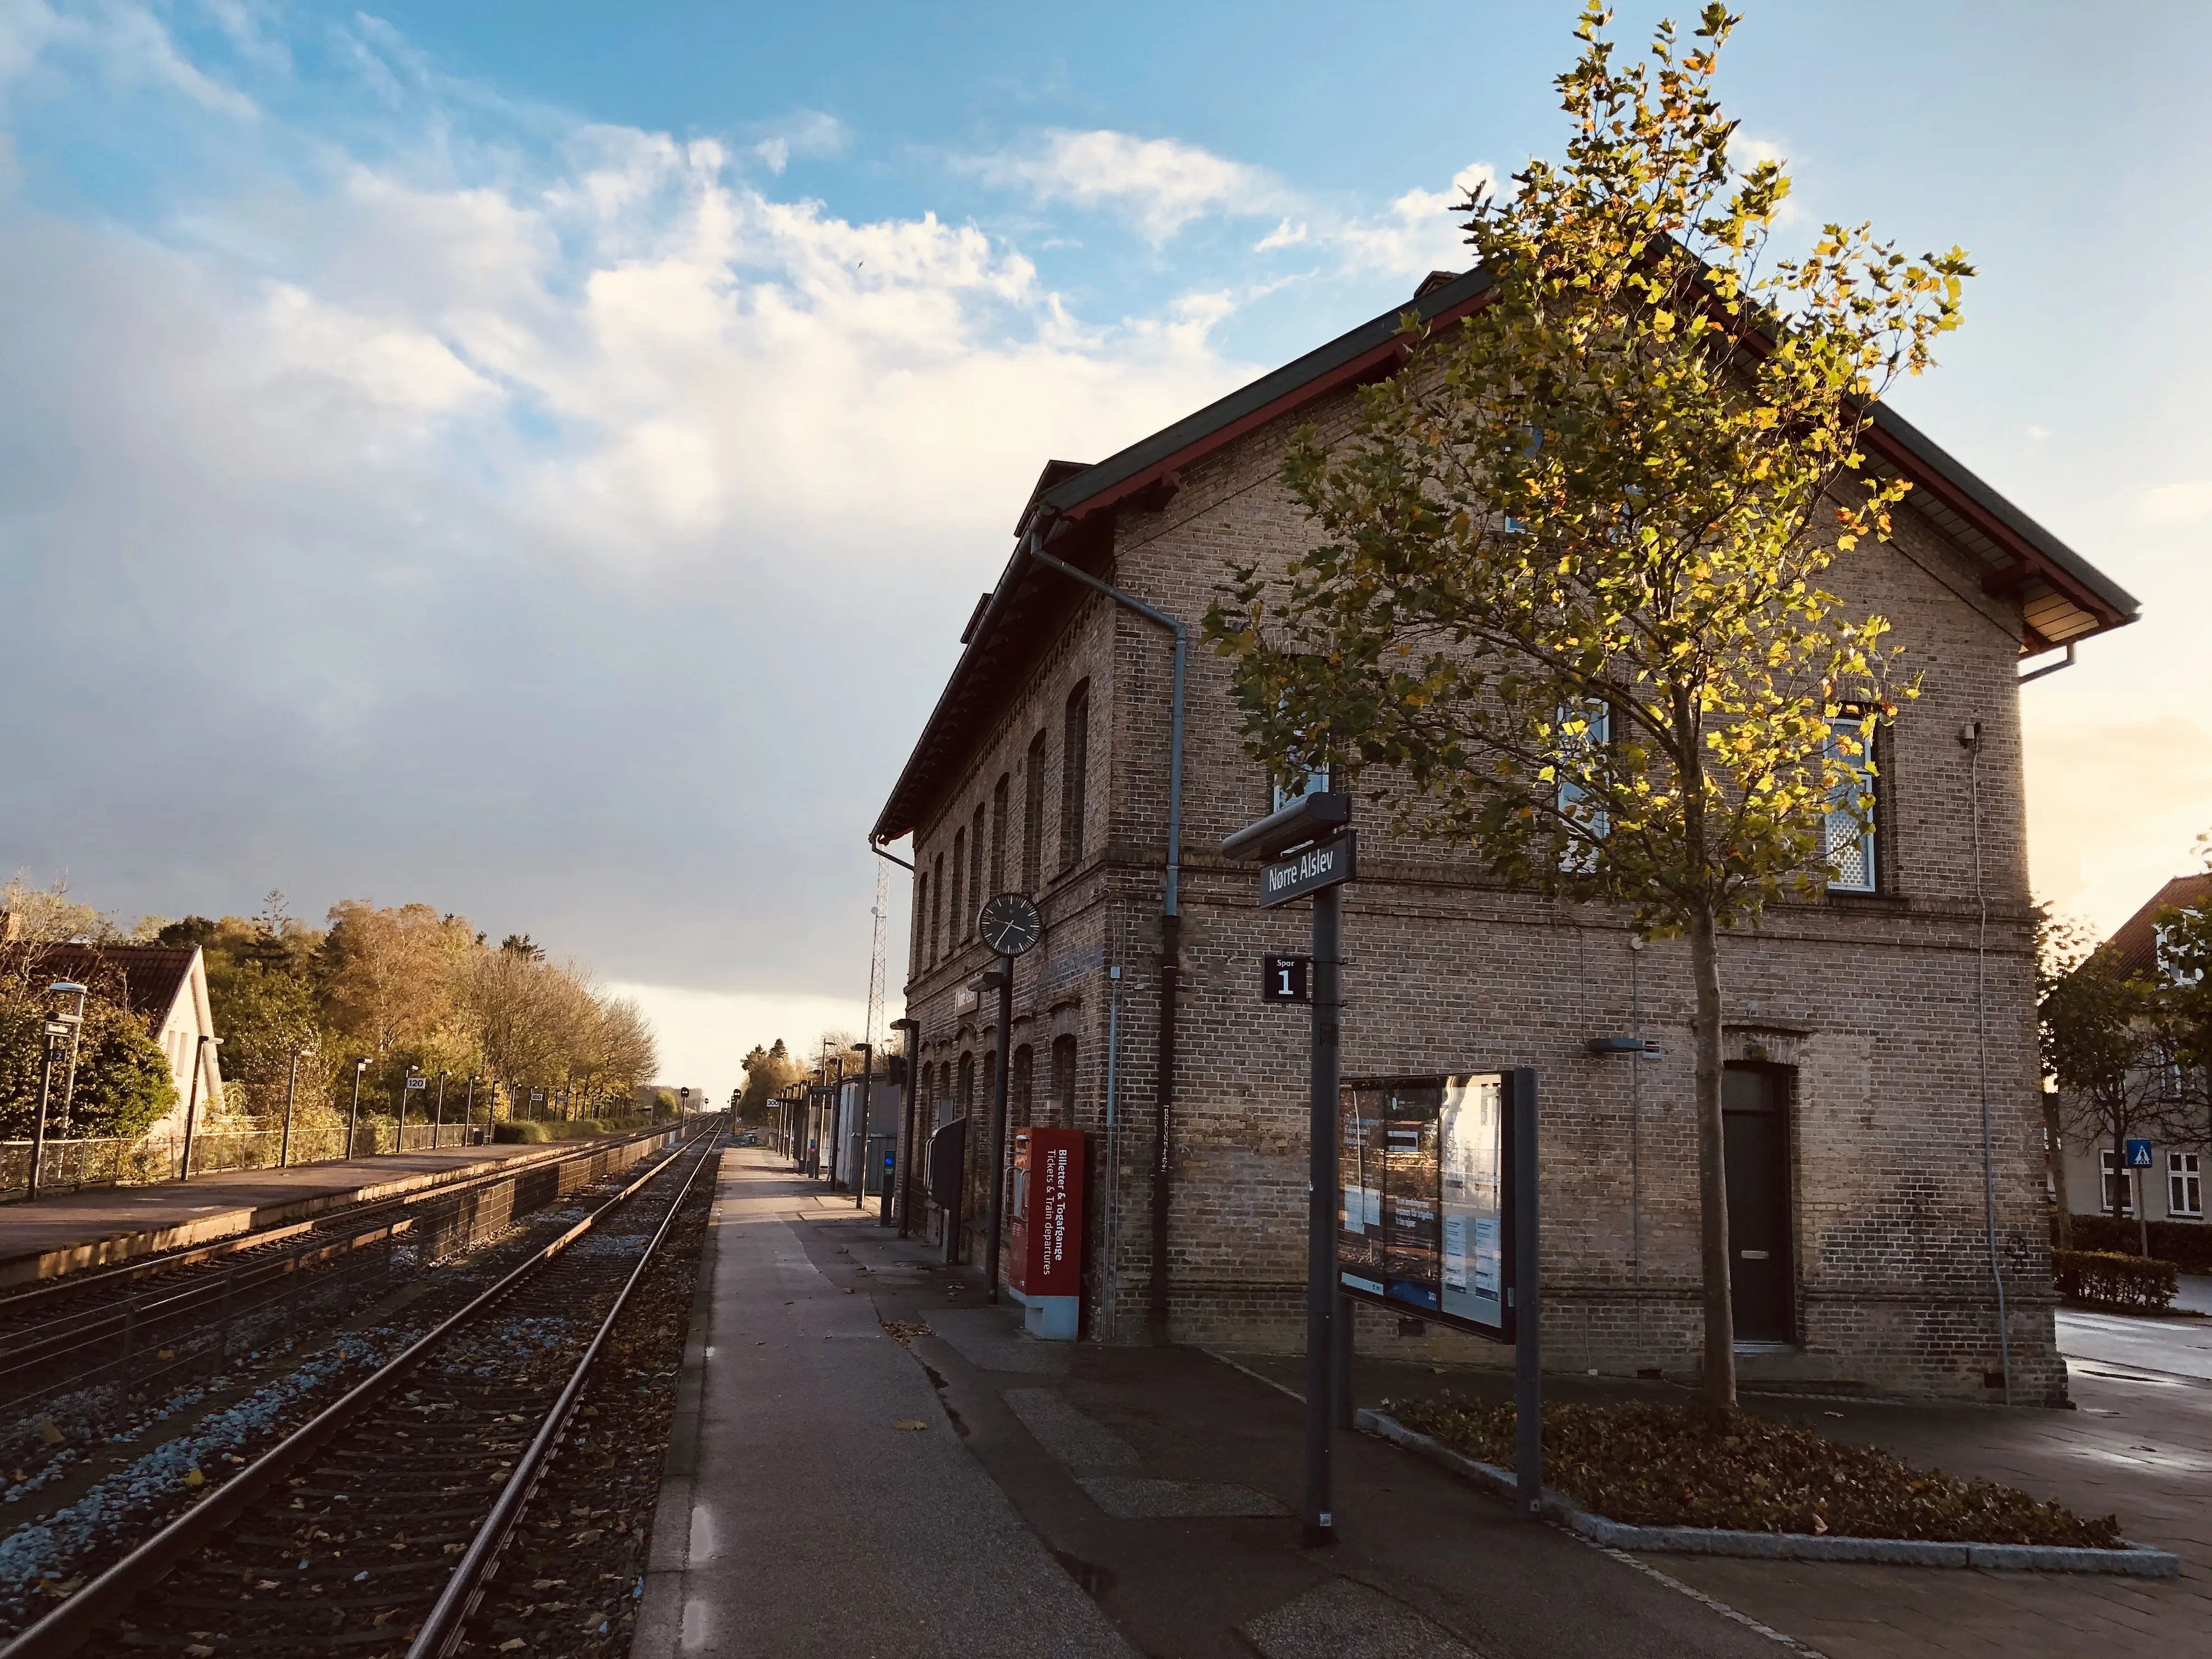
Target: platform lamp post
[1009,925]
[353,1114]
[438,1122]
[860,1159]
[75,1017]
[469,1111]
[902,1173]
[58,1026]
[291,1096]
[192,1100]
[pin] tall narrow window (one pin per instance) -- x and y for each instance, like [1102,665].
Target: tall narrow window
[1074,767]
[975,893]
[2119,1185]
[2184,1186]
[1585,727]
[1852,813]
[1033,818]
[943,1096]
[1020,1085]
[999,794]
[953,911]
[936,907]
[1062,1106]
[918,942]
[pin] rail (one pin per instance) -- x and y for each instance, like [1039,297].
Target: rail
[108,1597]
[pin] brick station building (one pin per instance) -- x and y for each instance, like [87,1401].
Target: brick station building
[1855,1083]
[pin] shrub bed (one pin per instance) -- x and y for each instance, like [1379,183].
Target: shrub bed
[2187,1244]
[2110,1280]
[528,1132]
[1673,1466]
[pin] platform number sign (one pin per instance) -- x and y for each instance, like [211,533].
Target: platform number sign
[1285,979]
[2138,1154]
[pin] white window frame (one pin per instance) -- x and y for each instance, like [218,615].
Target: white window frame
[2107,1162]
[1317,783]
[2184,1186]
[1844,830]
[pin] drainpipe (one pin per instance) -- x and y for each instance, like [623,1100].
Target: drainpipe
[1170,926]
[1970,737]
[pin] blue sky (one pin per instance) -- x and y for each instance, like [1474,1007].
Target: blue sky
[537,458]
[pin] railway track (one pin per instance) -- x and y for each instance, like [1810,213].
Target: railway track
[374,1529]
[83,1348]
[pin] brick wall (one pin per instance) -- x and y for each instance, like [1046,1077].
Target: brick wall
[1872,1001]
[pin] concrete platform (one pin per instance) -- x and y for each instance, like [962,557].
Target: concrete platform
[105,1225]
[865,1464]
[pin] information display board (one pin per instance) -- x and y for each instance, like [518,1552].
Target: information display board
[1425,1222]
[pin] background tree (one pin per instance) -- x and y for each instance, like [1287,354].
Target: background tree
[769,1073]
[2108,1049]
[1565,609]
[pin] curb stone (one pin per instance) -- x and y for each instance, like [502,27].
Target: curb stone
[2132,1560]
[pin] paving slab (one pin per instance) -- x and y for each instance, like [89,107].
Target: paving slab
[1187,1541]
[818,1499]
[97,1226]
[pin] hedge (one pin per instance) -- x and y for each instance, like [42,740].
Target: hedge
[531,1133]
[2187,1244]
[2114,1280]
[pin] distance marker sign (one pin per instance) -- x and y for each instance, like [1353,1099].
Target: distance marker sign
[1309,870]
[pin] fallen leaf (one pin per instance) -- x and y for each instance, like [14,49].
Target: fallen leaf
[49,1432]
[1819,1525]
[194,1478]
[909,1423]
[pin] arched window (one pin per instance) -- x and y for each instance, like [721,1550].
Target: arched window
[966,1097]
[936,907]
[1000,792]
[1033,818]
[1062,1104]
[975,893]
[954,911]
[1074,767]
[1018,1090]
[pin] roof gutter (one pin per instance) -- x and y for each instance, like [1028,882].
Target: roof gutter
[1032,543]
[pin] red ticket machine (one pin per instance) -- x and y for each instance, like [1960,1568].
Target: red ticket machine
[1046,1231]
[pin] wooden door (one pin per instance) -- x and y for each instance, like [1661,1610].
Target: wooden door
[1762,1277]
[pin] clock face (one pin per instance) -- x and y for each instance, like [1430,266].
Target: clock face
[1009,924]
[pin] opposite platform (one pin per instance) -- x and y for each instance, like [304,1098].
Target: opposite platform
[99,1226]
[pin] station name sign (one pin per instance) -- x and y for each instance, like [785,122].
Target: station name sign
[1309,869]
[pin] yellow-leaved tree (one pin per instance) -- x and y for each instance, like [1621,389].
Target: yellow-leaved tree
[1565,606]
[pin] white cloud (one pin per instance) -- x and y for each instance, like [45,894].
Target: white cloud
[2188,502]
[1161,183]
[1283,235]
[1420,232]
[704,1035]
[809,134]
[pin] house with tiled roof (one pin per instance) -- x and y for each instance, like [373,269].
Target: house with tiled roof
[165,987]
[2173,1187]
[1085,750]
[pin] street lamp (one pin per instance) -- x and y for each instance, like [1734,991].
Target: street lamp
[438,1123]
[58,1026]
[291,1093]
[75,1017]
[353,1116]
[860,1159]
[192,1100]
[469,1111]
[904,1173]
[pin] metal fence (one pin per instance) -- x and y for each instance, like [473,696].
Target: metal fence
[72,1164]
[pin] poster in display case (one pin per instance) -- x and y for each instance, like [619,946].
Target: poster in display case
[1424,1223]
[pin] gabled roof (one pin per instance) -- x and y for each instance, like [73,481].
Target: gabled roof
[149,977]
[2063,597]
[2134,944]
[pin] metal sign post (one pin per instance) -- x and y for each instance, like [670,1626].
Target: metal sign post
[1308,848]
[2139,1155]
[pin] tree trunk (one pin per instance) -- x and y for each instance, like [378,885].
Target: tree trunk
[2054,1138]
[1712,1170]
